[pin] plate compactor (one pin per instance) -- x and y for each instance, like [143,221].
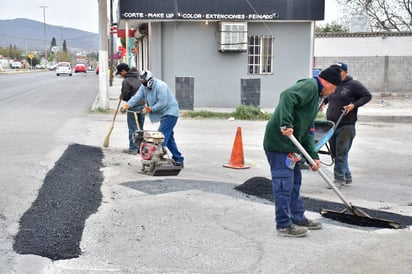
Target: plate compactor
[155,159]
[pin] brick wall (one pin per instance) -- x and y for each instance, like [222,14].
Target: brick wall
[380,74]
[382,61]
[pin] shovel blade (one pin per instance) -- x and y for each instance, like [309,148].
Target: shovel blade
[359,220]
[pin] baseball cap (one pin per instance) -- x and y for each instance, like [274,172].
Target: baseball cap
[342,66]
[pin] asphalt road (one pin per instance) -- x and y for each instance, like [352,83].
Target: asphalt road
[197,222]
[40,114]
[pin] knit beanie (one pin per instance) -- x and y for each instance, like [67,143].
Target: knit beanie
[332,75]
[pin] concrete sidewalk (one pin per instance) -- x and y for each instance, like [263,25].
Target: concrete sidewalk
[397,108]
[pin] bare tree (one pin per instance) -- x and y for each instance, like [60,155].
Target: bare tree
[384,15]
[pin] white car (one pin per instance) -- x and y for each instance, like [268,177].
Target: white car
[16,65]
[64,68]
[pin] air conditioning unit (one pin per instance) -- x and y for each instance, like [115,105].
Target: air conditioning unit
[233,36]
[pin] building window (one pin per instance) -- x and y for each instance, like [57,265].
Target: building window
[260,54]
[233,36]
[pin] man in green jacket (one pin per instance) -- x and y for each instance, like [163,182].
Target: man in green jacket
[297,109]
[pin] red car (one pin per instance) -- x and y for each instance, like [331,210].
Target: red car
[80,68]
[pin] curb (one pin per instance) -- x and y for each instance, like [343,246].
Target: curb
[384,119]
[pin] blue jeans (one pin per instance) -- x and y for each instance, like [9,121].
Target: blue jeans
[286,184]
[340,144]
[167,124]
[131,124]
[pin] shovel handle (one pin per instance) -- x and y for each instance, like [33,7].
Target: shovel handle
[340,118]
[322,174]
[135,118]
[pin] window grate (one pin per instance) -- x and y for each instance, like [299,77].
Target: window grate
[260,55]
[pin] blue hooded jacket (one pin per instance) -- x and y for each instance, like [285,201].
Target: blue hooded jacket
[159,98]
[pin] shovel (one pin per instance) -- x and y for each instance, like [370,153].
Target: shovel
[351,214]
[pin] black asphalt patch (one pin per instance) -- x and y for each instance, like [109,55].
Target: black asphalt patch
[168,185]
[257,189]
[52,227]
[262,187]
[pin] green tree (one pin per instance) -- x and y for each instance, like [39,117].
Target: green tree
[63,56]
[12,52]
[331,27]
[52,55]
[93,56]
[53,42]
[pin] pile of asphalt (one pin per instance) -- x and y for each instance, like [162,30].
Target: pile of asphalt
[52,227]
[262,187]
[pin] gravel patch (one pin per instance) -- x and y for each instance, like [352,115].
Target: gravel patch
[52,227]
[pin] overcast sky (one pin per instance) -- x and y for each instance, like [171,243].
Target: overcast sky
[79,14]
[83,14]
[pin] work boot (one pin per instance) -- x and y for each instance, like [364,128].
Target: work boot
[310,224]
[131,151]
[293,231]
[338,183]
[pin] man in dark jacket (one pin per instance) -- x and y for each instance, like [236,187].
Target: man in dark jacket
[130,85]
[348,97]
[295,114]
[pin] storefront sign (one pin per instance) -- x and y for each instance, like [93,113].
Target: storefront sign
[222,10]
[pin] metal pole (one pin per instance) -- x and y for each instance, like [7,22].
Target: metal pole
[127,43]
[44,30]
[111,44]
[103,64]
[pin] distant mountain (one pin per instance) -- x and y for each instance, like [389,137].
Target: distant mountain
[28,35]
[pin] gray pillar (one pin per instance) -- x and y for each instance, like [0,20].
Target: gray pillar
[185,92]
[250,92]
[385,74]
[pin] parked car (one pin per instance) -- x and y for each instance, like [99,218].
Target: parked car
[64,68]
[52,67]
[16,65]
[40,66]
[97,69]
[80,68]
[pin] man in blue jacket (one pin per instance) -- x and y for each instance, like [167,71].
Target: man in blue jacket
[161,106]
[295,113]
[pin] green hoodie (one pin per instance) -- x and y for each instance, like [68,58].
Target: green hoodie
[298,107]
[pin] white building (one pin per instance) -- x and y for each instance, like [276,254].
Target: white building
[382,61]
[222,53]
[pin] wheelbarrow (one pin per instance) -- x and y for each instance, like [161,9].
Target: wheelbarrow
[324,130]
[350,214]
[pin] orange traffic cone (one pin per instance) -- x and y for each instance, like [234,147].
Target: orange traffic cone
[236,159]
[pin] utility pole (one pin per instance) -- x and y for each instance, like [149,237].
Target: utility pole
[44,31]
[103,63]
[111,44]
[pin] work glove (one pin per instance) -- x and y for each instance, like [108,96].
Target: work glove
[146,109]
[124,108]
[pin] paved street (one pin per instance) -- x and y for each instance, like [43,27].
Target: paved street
[197,223]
